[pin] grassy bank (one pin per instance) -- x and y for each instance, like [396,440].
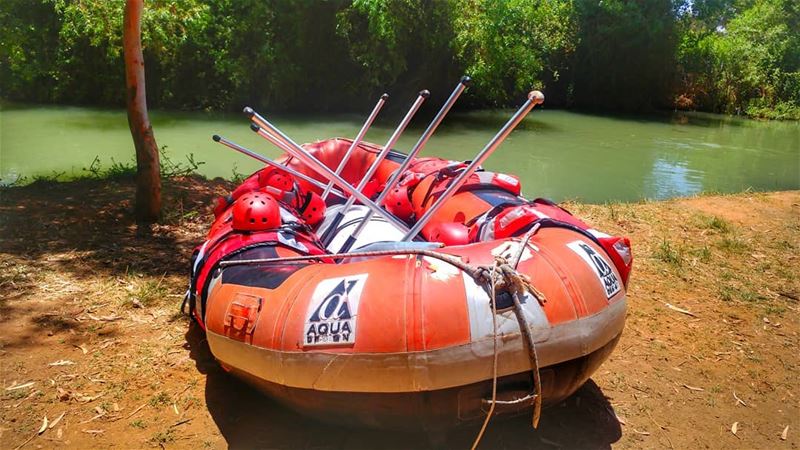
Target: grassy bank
[117,171]
[90,331]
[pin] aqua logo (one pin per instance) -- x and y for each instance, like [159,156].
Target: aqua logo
[332,312]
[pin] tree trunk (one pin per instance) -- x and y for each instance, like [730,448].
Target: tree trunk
[148,176]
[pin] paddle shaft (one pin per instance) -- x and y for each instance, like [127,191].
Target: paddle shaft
[327,237]
[359,137]
[272,163]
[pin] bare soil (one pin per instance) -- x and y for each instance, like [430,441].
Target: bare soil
[93,345]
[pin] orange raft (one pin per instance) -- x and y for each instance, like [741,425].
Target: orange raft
[405,340]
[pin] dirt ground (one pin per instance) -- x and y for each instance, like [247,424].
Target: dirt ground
[95,353]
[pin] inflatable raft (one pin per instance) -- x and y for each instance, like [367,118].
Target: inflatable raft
[393,332]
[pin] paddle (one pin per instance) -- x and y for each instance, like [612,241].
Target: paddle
[534,98]
[269,162]
[300,153]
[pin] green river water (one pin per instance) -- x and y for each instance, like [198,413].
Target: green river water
[558,154]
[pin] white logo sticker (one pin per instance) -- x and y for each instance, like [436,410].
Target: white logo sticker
[601,267]
[333,310]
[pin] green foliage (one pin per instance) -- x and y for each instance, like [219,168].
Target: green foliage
[512,46]
[28,47]
[719,224]
[733,244]
[734,56]
[703,254]
[160,399]
[311,69]
[403,42]
[236,176]
[170,168]
[119,170]
[148,293]
[669,254]
[376,32]
[746,61]
[162,438]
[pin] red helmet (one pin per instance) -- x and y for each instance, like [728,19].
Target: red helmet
[398,203]
[371,188]
[256,211]
[449,233]
[313,208]
[275,178]
[250,184]
[222,204]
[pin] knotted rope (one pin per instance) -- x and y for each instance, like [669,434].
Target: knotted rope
[502,277]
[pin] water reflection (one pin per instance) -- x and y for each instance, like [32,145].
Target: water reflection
[673,179]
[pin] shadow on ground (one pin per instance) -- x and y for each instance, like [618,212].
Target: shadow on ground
[86,227]
[247,419]
[78,240]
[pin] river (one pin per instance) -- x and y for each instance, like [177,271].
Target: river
[558,154]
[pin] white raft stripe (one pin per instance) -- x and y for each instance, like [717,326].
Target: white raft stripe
[539,214]
[597,233]
[376,230]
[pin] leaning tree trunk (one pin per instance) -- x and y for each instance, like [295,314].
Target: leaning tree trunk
[148,177]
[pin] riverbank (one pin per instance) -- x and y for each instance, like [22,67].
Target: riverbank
[92,339]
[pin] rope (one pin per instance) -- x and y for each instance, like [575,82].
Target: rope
[506,278]
[527,237]
[490,413]
[511,280]
[516,284]
[534,358]
[532,355]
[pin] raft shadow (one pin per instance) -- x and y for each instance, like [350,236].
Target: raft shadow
[248,419]
[586,420]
